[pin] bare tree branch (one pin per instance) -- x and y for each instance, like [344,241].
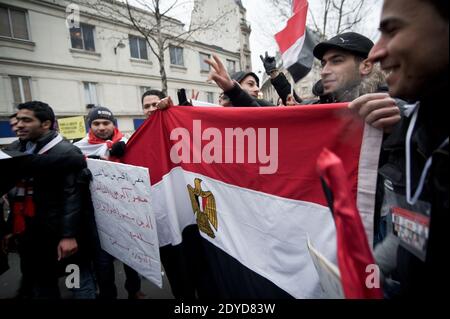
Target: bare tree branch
[327,17]
[316,26]
[152,22]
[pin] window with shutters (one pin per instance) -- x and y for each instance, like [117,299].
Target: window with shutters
[203,65]
[82,38]
[21,89]
[90,93]
[138,48]
[13,23]
[176,56]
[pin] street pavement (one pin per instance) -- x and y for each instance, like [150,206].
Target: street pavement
[9,283]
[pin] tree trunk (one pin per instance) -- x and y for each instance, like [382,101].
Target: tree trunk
[162,70]
[160,44]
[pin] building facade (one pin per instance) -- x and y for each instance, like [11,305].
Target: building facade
[102,61]
[233,34]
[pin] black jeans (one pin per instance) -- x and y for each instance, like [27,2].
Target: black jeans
[104,271]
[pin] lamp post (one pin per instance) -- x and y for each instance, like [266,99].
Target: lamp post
[120,45]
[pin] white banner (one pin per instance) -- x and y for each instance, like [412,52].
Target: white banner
[124,216]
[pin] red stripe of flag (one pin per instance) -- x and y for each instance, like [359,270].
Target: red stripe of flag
[295,28]
[298,5]
[302,134]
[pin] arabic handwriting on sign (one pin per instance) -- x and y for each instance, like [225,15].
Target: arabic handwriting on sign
[101,173]
[145,225]
[139,199]
[138,236]
[109,209]
[122,176]
[112,240]
[115,243]
[141,258]
[139,180]
[125,193]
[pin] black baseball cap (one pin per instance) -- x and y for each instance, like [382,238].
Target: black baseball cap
[239,76]
[352,42]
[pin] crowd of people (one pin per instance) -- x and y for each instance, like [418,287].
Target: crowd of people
[397,85]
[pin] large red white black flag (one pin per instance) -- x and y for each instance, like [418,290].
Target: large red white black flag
[248,179]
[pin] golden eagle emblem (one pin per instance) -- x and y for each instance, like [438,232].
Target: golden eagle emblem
[208,216]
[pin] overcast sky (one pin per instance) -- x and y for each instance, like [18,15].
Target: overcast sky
[265,24]
[260,41]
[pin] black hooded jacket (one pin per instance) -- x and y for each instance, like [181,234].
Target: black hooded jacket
[241,98]
[284,88]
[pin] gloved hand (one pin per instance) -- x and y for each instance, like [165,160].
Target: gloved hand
[118,149]
[84,176]
[270,64]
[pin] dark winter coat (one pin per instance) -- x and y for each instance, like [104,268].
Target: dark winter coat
[57,197]
[239,97]
[422,278]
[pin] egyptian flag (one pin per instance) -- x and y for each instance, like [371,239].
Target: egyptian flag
[354,254]
[247,179]
[296,42]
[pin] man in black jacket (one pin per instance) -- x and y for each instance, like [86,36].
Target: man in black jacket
[242,88]
[414,50]
[46,211]
[16,166]
[279,81]
[345,75]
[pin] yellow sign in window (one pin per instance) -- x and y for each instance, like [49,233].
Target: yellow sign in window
[72,127]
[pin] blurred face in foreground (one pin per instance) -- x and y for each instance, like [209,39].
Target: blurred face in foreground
[413,48]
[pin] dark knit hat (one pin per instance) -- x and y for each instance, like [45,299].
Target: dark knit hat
[239,76]
[100,112]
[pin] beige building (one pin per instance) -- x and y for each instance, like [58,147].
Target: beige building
[104,61]
[233,35]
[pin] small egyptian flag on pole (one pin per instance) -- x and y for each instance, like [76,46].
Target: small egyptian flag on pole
[296,42]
